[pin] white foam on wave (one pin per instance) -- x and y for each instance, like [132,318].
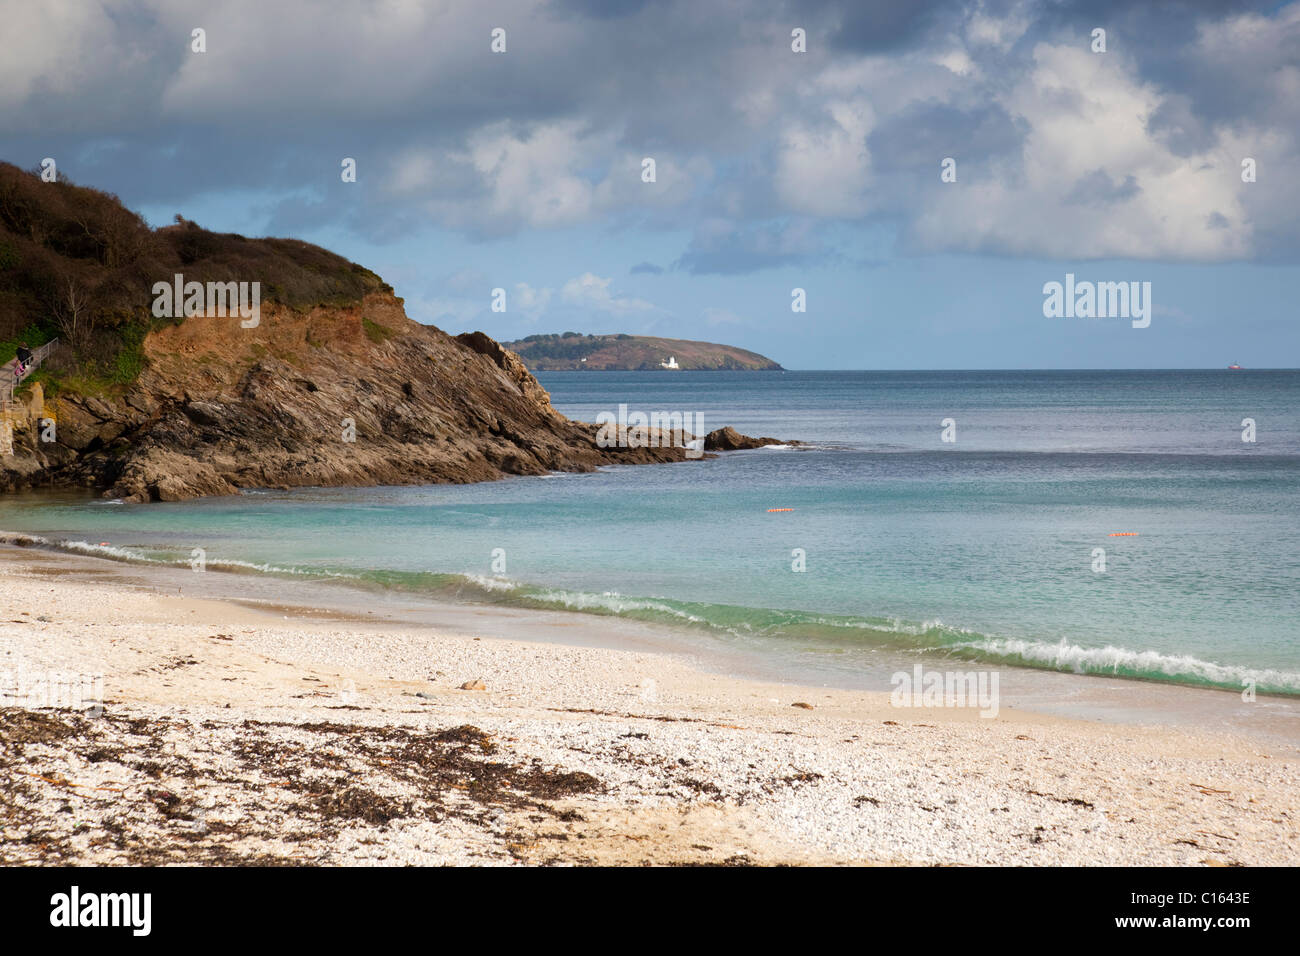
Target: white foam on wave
[103,550]
[491,584]
[1121,661]
[268,568]
[614,602]
[98,550]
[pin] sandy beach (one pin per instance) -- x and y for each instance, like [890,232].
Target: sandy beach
[261,734]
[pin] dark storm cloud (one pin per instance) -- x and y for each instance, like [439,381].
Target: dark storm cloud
[917,138]
[875,27]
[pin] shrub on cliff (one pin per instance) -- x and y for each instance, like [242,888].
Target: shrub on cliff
[77,264]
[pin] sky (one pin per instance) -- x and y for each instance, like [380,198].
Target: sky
[775,168]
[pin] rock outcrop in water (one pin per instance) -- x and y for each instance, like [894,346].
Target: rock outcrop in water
[728,439]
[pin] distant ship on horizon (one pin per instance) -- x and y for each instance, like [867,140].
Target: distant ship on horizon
[1234,368]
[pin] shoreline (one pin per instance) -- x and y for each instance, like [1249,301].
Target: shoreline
[1273,719]
[236,733]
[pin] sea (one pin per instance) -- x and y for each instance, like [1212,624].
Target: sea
[1133,524]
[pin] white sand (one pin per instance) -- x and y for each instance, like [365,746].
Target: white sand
[236,734]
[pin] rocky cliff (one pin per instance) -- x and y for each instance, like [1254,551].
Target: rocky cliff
[359,395]
[332,384]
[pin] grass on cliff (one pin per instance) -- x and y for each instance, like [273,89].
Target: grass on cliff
[77,264]
[107,373]
[375,332]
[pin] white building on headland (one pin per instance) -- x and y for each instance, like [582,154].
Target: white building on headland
[671,363]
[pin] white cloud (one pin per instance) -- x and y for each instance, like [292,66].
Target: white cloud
[1001,32]
[530,300]
[1088,119]
[531,177]
[590,291]
[824,170]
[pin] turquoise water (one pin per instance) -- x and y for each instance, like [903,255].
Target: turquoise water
[982,549]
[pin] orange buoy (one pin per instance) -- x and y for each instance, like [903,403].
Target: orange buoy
[770,510]
[1124,534]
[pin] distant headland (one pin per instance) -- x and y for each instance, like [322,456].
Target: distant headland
[621,352]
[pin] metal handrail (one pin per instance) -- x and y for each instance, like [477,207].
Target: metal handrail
[39,354]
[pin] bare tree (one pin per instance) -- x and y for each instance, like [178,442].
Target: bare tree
[73,314]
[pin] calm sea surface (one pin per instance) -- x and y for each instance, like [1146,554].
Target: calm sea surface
[985,548]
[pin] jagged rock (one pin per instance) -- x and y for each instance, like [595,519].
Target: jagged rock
[110,430]
[141,402]
[205,413]
[511,364]
[77,428]
[22,466]
[99,408]
[56,455]
[728,439]
[159,475]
